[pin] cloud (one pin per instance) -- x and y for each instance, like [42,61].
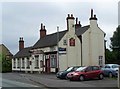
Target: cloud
[24,18]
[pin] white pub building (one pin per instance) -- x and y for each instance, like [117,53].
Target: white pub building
[77,46]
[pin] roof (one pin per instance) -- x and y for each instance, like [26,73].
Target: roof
[49,40]
[81,30]
[23,53]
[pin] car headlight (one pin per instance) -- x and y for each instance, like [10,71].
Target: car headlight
[60,73]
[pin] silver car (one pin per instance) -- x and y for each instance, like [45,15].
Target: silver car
[110,70]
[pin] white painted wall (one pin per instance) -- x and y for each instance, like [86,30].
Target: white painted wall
[73,55]
[93,44]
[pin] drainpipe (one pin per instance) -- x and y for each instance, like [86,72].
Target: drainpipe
[81,50]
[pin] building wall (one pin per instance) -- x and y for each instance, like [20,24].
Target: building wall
[93,45]
[73,53]
[92,50]
[63,62]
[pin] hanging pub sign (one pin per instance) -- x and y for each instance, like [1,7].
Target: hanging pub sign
[72,42]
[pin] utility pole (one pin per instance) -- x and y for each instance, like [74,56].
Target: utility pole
[57,49]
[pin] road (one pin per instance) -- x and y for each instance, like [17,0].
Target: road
[10,83]
[47,81]
[16,81]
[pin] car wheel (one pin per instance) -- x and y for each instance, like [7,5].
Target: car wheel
[66,77]
[110,75]
[101,76]
[81,78]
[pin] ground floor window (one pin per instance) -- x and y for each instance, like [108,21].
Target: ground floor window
[28,63]
[36,61]
[53,61]
[18,62]
[14,63]
[23,63]
[101,61]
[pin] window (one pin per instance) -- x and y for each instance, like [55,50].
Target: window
[18,61]
[115,66]
[37,61]
[23,63]
[28,63]
[88,69]
[95,68]
[64,42]
[14,63]
[47,57]
[100,61]
[72,42]
[107,66]
[53,61]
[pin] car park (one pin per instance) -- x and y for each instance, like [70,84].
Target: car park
[63,74]
[110,70]
[87,72]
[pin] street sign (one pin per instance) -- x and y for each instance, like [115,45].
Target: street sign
[62,50]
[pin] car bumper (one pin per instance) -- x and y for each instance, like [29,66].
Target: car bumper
[75,77]
[60,76]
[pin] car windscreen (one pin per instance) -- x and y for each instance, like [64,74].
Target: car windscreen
[69,69]
[115,66]
[81,68]
[107,66]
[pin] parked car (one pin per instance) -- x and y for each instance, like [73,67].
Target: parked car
[83,73]
[110,70]
[63,74]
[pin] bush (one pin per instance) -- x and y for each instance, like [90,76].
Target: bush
[6,64]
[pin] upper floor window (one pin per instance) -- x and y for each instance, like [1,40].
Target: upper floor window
[64,42]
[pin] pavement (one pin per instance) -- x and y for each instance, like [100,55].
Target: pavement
[50,81]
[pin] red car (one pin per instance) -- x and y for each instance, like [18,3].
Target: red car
[89,72]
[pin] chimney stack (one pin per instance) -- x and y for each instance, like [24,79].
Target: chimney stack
[93,19]
[77,25]
[21,43]
[42,31]
[70,21]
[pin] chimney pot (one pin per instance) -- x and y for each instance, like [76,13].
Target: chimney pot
[20,38]
[68,15]
[94,16]
[44,27]
[76,20]
[71,15]
[91,13]
[41,25]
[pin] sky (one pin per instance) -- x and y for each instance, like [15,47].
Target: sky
[119,13]
[23,19]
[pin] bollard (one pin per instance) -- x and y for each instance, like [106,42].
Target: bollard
[119,77]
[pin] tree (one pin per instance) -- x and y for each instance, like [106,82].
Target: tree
[6,64]
[115,45]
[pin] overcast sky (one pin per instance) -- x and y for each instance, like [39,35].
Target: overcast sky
[24,19]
